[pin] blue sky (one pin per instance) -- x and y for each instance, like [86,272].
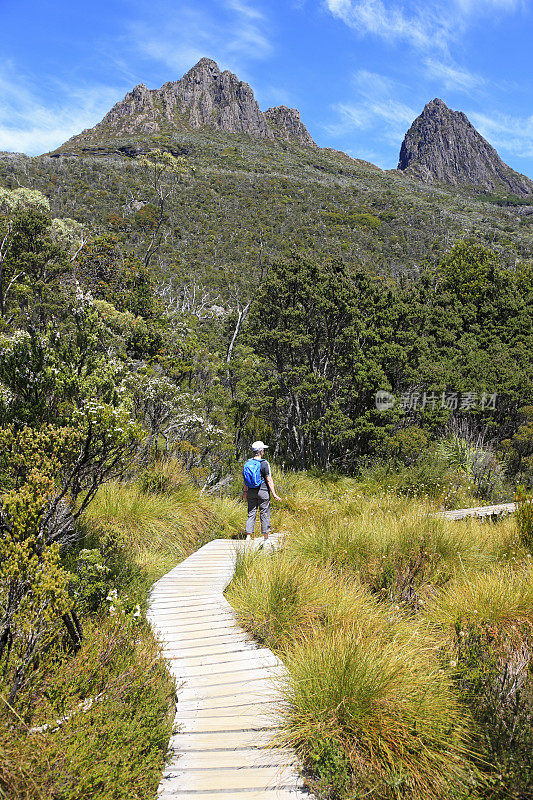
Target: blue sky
[359,71]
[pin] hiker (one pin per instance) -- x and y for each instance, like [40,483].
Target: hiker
[258,488]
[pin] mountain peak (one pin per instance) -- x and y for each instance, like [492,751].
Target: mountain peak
[203,97]
[443,145]
[436,103]
[206,65]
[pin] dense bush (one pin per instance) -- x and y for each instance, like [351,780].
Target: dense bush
[93,726]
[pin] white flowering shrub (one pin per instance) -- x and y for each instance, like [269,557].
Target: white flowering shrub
[68,232]
[10,199]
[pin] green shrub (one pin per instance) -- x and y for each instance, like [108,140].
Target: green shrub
[524,518]
[492,670]
[116,696]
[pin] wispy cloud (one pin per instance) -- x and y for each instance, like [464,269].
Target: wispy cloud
[233,33]
[511,134]
[452,76]
[475,6]
[432,25]
[392,22]
[376,108]
[28,126]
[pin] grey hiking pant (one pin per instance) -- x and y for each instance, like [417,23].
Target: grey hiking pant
[258,499]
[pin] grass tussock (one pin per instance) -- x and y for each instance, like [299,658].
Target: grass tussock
[160,517]
[502,597]
[279,599]
[159,529]
[367,703]
[400,549]
[370,713]
[408,643]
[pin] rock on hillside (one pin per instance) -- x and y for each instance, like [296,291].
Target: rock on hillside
[204,98]
[442,145]
[285,123]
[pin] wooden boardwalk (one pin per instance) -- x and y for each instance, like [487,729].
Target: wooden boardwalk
[226,710]
[480,511]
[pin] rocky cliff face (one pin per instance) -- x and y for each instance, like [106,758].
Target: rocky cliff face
[204,97]
[442,145]
[285,123]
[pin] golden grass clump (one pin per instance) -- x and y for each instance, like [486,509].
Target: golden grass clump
[372,712]
[161,518]
[396,546]
[502,596]
[279,599]
[159,530]
[384,614]
[366,702]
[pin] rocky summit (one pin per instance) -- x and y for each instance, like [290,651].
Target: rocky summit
[443,146]
[205,97]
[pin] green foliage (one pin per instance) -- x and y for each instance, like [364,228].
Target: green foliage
[524,518]
[112,702]
[31,265]
[494,677]
[328,343]
[407,445]
[118,278]
[352,218]
[327,338]
[518,449]
[90,581]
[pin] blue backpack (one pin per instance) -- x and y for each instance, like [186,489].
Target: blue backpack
[251,472]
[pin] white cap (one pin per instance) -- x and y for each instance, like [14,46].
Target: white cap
[259,446]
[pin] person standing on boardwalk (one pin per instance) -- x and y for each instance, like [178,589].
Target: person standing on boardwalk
[258,488]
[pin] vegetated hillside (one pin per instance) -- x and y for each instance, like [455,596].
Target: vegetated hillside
[244,199]
[254,186]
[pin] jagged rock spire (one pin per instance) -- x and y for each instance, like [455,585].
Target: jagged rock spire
[442,145]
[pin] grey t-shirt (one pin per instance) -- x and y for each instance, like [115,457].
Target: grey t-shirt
[265,472]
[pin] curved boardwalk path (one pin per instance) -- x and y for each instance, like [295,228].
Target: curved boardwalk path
[227,700]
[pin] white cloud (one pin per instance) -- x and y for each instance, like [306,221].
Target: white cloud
[178,36]
[375,109]
[452,76]
[244,9]
[392,22]
[475,6]
[29,126]
[428,26]
[505,132]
